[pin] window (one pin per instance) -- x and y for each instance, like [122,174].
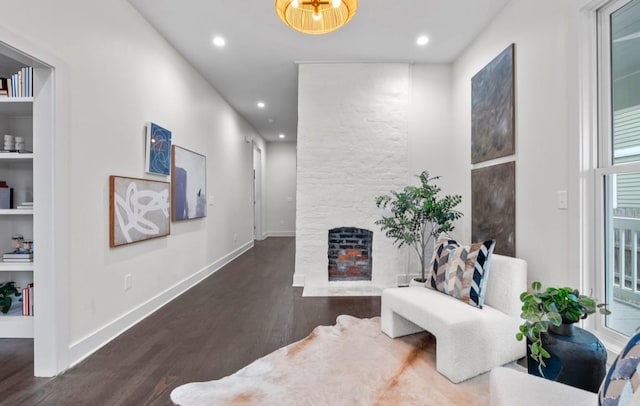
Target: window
[619,160]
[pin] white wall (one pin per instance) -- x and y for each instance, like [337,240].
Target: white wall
[122,73]
[543,70]
[430,125]
[281,189]
[352,146]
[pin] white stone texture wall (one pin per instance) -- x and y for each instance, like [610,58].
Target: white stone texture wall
[352,147]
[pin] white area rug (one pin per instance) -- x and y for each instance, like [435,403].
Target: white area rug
[351,363]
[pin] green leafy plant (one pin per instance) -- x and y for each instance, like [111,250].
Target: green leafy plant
[7,290]
[417,214]
[551,307]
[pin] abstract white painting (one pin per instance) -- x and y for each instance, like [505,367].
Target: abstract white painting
[138,210]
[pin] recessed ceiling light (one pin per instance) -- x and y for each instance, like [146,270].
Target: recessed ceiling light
[422,40]
[219,41]
[281,136]
[270,120]
[260,104]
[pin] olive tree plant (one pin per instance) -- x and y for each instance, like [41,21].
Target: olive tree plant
[418,213]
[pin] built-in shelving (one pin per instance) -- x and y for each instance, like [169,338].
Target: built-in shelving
[15,325]
[16,157]
[16,212]
[16,266]
[16,168]
[16,106]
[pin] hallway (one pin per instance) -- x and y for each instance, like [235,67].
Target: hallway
[242,312]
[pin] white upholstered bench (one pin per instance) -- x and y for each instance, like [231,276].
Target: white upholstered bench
[469,341]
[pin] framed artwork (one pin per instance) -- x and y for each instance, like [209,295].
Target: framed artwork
[493,109]
[188,184]
[138,210]
[493,206]
[158,150]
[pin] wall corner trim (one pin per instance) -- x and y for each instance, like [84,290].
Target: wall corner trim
[298,281]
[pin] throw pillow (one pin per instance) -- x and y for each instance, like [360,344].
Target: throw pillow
[623,378]
[461,271]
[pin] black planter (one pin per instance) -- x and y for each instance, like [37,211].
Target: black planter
[578,359]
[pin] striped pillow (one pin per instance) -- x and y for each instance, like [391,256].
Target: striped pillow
[461,271]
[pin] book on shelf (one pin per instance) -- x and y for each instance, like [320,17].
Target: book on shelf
[25,206]
[4,90]
[23,82]
[19,84]
[14,84]
[27,300]
[17,260]
[6,197]
[17,255]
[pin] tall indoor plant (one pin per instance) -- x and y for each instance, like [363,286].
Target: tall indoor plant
[417,214]
[544,311]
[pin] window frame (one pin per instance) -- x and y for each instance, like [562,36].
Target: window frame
[603,162]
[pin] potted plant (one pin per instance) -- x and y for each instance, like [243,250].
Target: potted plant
[553,310]
[417,214]
[7,290]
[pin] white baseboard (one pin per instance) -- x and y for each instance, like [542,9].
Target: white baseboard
[280,234]
[86,346]
[298,281]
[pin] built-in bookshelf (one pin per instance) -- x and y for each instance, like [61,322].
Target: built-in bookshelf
[16,172]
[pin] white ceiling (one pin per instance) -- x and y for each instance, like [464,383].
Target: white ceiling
[259,60]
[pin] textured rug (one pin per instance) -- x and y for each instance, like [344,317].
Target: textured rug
[351,363]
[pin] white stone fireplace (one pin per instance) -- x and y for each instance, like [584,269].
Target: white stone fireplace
[352,147]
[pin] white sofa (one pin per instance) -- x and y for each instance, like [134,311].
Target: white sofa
[508,387]
[469,341]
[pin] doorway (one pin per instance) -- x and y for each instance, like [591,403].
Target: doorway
[257,193]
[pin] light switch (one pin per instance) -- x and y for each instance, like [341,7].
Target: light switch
[211,200]
[562,199]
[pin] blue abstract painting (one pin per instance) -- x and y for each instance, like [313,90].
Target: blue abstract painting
[158,153]
[188,184]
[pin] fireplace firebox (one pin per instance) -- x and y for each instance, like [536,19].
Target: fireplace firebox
[350,254]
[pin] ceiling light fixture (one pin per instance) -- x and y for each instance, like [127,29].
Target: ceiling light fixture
[422,40]
[260,104]
[281,136]
[219,41]
[316,16]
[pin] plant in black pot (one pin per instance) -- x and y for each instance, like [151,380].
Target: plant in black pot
[549,316]
[417,214]
[7,290]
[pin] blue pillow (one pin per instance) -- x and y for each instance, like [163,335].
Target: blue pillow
[623,378]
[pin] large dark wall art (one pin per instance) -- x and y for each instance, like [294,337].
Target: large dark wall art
[493,206]
[492,109]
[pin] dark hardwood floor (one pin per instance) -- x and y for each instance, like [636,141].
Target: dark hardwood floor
[241,313]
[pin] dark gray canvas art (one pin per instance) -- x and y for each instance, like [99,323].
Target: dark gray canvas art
[493,206]
[492,109]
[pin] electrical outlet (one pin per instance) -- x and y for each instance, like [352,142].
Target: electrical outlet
[235,238]
[127,282]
